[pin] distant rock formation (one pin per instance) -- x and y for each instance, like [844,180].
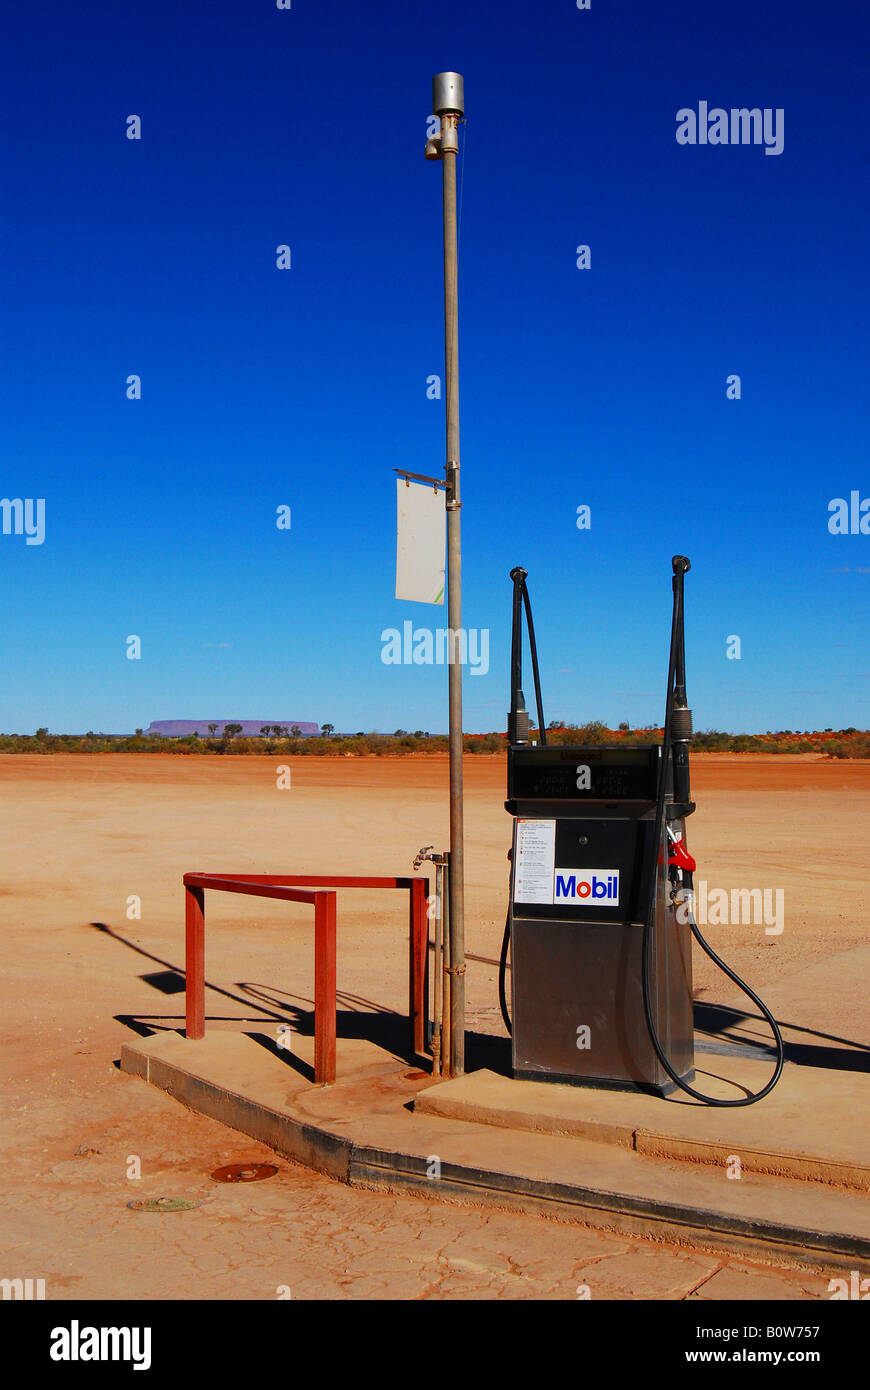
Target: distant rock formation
[177,728]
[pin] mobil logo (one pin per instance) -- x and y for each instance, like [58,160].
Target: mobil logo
[587,885]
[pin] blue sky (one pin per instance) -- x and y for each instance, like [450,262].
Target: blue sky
[307,387]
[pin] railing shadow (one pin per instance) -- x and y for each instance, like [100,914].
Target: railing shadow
[361,1018]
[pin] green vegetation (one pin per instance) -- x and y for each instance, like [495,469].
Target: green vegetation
[834,743]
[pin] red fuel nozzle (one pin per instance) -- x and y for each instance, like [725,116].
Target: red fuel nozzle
[681,858]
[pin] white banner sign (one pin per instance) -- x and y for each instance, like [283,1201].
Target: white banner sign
[421,543]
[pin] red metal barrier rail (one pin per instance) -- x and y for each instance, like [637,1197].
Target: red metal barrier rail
[307,888]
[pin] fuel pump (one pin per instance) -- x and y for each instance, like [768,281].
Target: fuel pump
[600,918]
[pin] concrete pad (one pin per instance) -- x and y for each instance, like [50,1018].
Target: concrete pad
[363,1131]
[808,1127]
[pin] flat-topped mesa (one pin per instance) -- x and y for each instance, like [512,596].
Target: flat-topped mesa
[214,728]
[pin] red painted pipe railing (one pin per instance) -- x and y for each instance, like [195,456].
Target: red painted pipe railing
[307,888]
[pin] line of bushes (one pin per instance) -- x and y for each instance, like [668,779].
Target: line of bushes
[842,743]
[389,745]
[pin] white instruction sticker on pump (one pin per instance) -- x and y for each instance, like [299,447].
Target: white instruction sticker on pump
[535,861]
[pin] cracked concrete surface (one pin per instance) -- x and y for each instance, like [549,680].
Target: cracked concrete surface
[65,1218]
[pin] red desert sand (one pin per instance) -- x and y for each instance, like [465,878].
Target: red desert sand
[98,839]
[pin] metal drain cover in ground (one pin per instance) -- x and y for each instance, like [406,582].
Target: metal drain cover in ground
[164,1204]
[244,1172]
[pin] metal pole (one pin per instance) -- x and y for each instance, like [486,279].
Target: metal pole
[448,101]
[438,1007]
[447,978]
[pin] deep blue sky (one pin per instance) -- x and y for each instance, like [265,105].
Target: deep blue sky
[307,387]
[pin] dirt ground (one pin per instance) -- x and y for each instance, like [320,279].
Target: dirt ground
[91,841]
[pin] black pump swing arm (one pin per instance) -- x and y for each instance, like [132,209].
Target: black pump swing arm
[518,719]
[518,732]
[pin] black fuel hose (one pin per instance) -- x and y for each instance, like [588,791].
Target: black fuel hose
[536,675]
[502,972]
[680,566]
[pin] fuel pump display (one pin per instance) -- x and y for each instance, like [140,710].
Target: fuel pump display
[600,920]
